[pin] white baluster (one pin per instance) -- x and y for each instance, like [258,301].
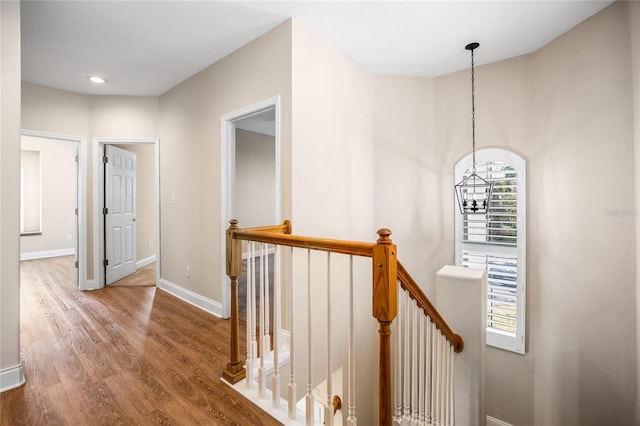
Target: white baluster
[250,316]
[267,305]
[328,409]
[415,349]
[427,372]
[351,419]
[452,401]
[406,377]
[421,366]
[434,374]
[292,360]
[309,398]
[262,385]
[438,389]
[397,360]
[275,379]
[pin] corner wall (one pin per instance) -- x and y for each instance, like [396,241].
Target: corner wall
[333,194]
[11,374]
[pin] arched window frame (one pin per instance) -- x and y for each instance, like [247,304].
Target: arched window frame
[512,341]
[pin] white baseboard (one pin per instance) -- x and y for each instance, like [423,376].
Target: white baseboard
[204,303]
[491,421]
[49,253]
[11,378]
[146,261]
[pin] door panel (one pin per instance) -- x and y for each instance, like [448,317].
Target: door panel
[120,219]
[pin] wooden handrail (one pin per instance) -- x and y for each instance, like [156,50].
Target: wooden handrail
[268,236]
[415,292]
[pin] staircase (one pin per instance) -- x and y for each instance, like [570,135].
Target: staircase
[309,354]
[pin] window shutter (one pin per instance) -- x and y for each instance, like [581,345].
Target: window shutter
[495,242]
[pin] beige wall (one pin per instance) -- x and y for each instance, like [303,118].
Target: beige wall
[145,199]
[58,195]
[255,179]
[51,110]
[190,156]
[9,191]
[412,175]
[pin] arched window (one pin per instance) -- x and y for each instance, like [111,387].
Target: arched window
[496,242]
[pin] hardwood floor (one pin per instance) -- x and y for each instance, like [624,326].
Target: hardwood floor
[121,355]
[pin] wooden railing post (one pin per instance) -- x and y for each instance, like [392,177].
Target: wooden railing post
[235,371]
[385,307]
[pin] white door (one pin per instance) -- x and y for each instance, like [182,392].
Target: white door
[120,214]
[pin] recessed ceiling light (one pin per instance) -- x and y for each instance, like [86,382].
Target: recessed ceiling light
[96,79]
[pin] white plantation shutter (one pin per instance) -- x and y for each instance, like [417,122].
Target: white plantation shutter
[495,242]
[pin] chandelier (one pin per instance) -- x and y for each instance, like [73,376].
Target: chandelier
[473,192]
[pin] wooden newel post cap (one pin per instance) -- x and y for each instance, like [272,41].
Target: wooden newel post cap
[234,223]
[384,234]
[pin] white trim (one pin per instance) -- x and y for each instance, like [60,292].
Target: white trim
[91,285]
[227,171]
[491,421]
[11,378]
[98,201]
[204,303]
[81,195]
[48,253]
[146,261]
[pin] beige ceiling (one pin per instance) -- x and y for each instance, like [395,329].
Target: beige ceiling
[147,47]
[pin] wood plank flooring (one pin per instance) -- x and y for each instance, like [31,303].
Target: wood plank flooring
[121,355]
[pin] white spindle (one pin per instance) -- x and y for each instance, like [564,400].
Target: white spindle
[452,357]
[309,398]
[414,361]
[396,335]
[267,305]
[427,372]
[251,330]
[275,379]
[292,360]
[262,374]
[434,373]
[351,419]
[420,372]
[328,409]
[406,378]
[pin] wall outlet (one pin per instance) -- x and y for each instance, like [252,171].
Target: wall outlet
[68,237]
[188,271]
[149,244]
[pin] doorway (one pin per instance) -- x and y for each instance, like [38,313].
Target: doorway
[147,243]
[54,208]
[251,172]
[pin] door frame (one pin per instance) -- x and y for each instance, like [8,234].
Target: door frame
[227,187]
[81,201]
[98,201]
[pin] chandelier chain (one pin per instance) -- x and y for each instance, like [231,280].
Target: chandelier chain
[473,111]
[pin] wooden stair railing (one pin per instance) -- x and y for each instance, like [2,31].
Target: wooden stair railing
[387,273]
[415,292]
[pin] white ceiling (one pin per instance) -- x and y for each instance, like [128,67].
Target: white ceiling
[148,47]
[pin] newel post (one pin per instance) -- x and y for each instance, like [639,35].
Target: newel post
[385,307]
[235,371]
